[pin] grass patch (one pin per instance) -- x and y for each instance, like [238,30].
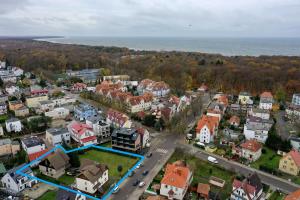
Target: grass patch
[276,196]
[269,158]
[66,180]
[50,195]
[112,160]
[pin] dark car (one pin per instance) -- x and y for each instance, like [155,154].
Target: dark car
[136,182]
[145,172]
[131,174]
[149,155]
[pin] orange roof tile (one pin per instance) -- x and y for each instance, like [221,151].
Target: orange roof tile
[251,145]
[295,156]
[36,155]
[293,196]
[176,176]
[203,188]
[210,121]
[266,95]
[234,119]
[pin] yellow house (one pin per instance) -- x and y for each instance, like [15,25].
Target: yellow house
[290,163]
[33,102]
[244,98]
[14,105]
[8,147]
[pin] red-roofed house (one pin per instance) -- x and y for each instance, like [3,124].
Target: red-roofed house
[293,196]
[39,92]
[176,181]
[118,119]
[251,150]
[249,189]
[234,121]
[139,103]
[79,87]
[207,128]
[36,155]
[82,133]
[158,89]
[203,88]
[223,99]
[290,163]
[266,101]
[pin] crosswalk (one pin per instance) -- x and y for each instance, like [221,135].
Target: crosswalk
[161,150]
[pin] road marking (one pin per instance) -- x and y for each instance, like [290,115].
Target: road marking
[160,150]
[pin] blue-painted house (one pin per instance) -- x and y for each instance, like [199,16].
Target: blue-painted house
[84,111]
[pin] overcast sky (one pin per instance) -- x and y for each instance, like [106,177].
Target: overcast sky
[220,18]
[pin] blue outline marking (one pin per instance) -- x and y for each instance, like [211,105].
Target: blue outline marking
[106,195]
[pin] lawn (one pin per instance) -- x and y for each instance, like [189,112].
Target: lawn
[276,196]
[66,180]
[269,159]
[50,195]
[112,160]
[203,170]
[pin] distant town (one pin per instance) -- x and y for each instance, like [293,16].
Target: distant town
[203,144]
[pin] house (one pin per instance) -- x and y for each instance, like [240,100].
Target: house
[67,195]
[234,121]
[78,87]
[86,75]
[295,142]
[64,101]
[100,128]
[158,89]
[58,136]
[116,78]
[251,150]
[58,113]
[12,89]
[261,113]
[22,112]
[290,163]
[117,119]
[203,88]
[82,133]
[145,136]
[36,90]
[14,105]
[1,131]
[126,139]
[223,99]
[55,164]
[245,98]
[33,144]
[257,128]
[33,101]
[3,98]
[13,125]
[3,108]
[46,105]
[207,128]
[293,111]
[203,191]
[83,111]
[250,188]
[140,103]
[176,181]
[16,183]
[8,147]
[296,99]
[266,101]
[92,176]
[293,196]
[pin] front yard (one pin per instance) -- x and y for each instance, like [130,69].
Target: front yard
[269,159]
[202,171]
[50,195]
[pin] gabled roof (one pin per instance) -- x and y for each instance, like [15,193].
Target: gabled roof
[234,119]
[251,145]
[36,155]
[15,176]
[91,170]
[295,155]
[293,196]
[176,176]
[210,121]
[79,128]
[266,95]
[251,185]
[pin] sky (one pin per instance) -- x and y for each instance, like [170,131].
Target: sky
[166,18]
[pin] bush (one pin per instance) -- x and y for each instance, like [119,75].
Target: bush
[263,151]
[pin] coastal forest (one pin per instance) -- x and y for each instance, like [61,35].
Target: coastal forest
[181,70]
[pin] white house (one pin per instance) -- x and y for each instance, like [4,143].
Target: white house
[82,133]
[58,113]
[139,103]
[13,125]
[207,128]
[245,98]
[257,128]
[33,144]
[266,101]
[145,136]
[118,119]
[249,189]
[100,127]
[64,101]
[11,90]
[46,105]
[261,113]
[176,181]
[158,89]
[58,136]
[14,182]
[92,176]
[251,150]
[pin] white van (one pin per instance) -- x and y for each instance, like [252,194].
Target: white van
[200,144]
[212,160]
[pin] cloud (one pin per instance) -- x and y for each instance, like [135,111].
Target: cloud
[254,18]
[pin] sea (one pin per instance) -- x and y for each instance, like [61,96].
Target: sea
[224,46]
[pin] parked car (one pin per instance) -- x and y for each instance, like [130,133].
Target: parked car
[149,155]
[136,182]
[200,145]
[131,173]
[142,184]
[145,172]
[212,160]
[116,190]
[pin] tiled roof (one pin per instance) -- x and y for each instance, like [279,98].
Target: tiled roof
[176,176]
[203,189]
[223,100]
[88,139]
[266,95]
[80,128]
[234,119]
[34,156]
[248,189]
[293,196]
[251,145]
[295,156]
[210,121]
